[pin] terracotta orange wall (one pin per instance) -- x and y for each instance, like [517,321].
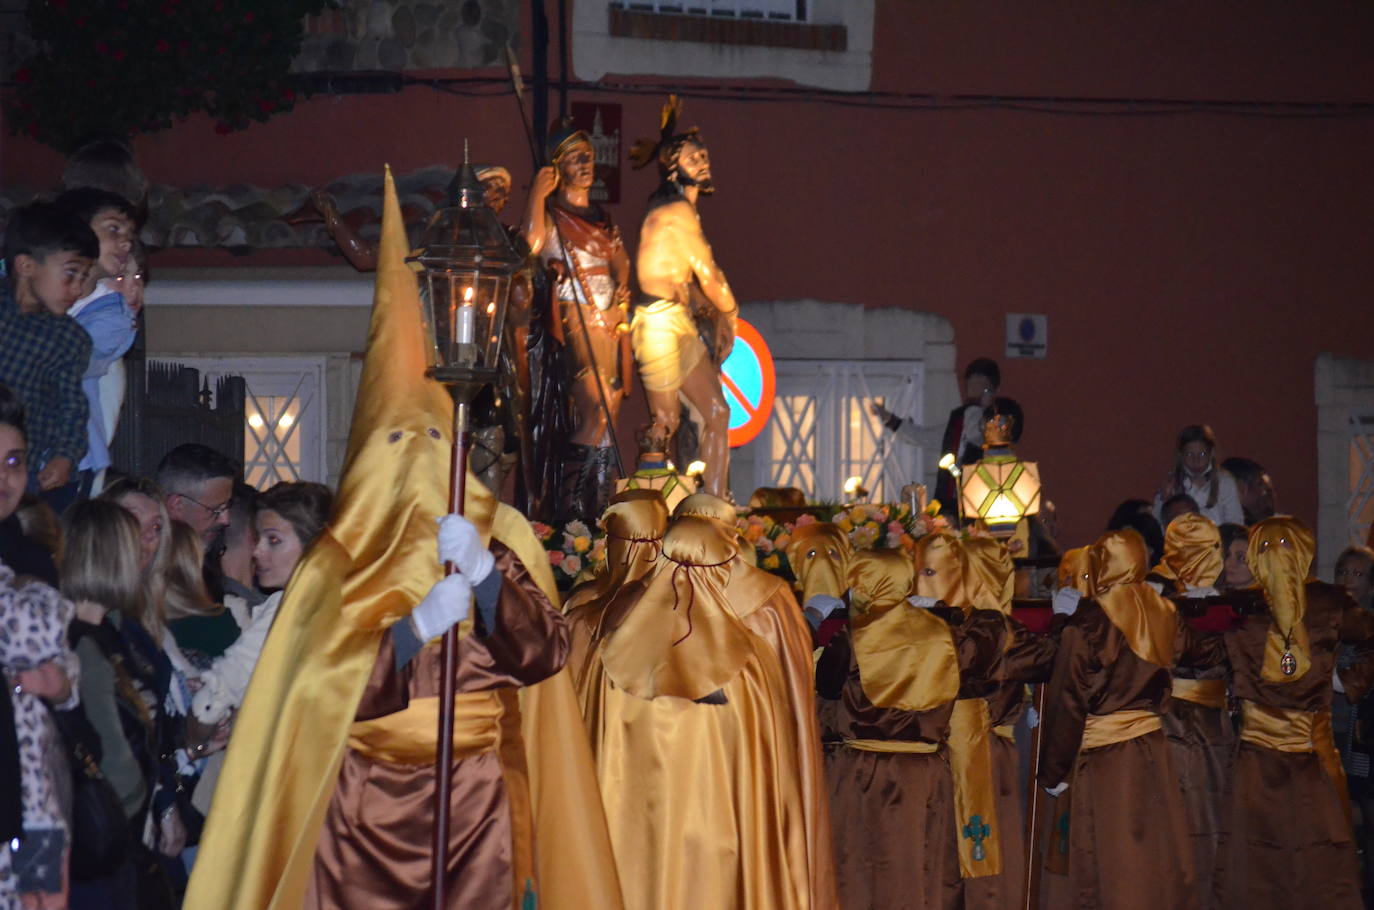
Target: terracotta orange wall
[1192,265]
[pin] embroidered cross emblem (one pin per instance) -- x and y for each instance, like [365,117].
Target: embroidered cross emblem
[977,831]
[1062,826]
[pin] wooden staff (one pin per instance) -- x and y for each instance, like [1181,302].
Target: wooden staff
[448,684]
[1031,900]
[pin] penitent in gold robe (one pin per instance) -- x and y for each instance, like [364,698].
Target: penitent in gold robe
[368,570]
[705,735]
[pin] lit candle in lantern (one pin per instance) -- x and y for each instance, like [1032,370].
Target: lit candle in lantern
[467,315]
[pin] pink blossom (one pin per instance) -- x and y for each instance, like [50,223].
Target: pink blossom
[804,520]
[764,545]
[572,565]
[895,527]
[556,557]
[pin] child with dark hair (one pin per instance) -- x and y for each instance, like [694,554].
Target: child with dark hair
[48,253]
[104,313]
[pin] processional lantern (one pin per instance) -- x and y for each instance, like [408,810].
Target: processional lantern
[1001,489]
[467,262]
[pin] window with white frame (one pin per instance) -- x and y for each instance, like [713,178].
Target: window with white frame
[284,415]
[823,431]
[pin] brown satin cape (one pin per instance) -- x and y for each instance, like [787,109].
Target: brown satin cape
[1148,622]
[1280,555]
[819,555]
[906,656]
[371,566]
[1192,552]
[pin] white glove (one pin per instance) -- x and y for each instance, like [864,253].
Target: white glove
[1157,585]
[1336,681]
[1065,601]
[822,605]
[1032,718]
[1055,791]
[460,544]
[446,604]
[922,602]
[1200,592]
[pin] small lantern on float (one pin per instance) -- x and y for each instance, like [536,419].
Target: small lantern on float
[1001,489]
[466,264]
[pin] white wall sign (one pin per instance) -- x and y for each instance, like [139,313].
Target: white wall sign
[1028,335]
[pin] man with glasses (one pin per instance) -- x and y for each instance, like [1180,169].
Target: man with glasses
[197,483]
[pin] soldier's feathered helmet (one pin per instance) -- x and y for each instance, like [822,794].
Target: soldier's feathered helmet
[668,146]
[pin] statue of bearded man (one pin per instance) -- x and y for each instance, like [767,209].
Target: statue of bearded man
[683,295]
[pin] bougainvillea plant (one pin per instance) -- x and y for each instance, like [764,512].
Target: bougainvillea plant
[123,67]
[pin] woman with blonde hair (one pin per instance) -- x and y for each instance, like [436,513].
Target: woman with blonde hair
[125,675]
[200,628]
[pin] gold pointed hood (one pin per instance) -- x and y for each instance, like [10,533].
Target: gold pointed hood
[1147,621]
[1192,552]
[991,573]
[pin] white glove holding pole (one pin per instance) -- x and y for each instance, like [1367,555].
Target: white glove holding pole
[1336,682]
[460,544]
[448,603]
[1066,601]
[1057,789]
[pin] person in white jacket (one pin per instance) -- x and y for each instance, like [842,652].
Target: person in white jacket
[1197,473]
[290,516]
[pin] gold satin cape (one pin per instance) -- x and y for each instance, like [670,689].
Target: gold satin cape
[705,733]
[943,572]
[1192,552]
[634,523]
[1148,622]
[369,568]
[906,655]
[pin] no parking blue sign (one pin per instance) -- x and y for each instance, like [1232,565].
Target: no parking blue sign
[748,381]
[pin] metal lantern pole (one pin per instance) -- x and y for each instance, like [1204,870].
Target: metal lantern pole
[467,261]
[448,684]
[1031,898]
